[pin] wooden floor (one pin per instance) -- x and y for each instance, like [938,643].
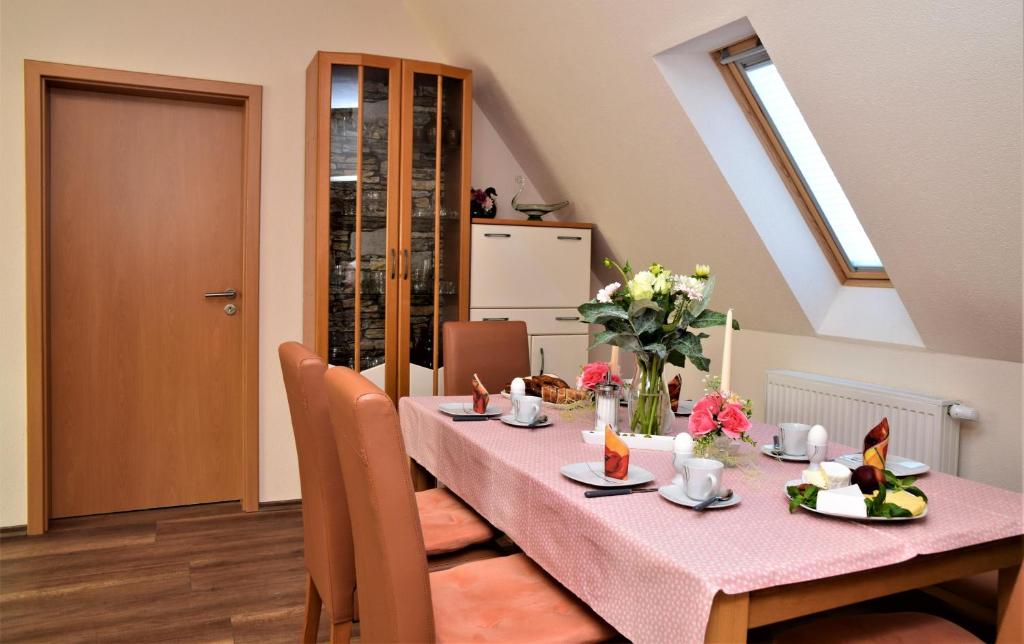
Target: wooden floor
[199,574]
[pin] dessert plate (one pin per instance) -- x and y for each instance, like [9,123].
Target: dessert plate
[898,465]
[593,474]
[466,409]
[509,419]
[675,495]
[844,516]
[767,451]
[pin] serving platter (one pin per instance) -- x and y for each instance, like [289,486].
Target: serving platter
[844,516]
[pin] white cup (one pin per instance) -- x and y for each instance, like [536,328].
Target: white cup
[702,478]
[794,438]
[526,409]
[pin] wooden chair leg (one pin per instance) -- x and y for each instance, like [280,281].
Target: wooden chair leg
[341,633]
[312,619]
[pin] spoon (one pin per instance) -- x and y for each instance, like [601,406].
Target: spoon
[725,496]
[540,421]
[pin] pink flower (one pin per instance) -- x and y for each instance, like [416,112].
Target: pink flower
[594,374]
[734,422]
[701,422]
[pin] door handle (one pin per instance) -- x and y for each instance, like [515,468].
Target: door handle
[497,235]
[495,319]
[405,264]
[392,263]
[570,238]
[567,318]
[541,361]
[228,293]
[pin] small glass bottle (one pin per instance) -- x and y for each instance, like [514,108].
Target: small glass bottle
[606,406]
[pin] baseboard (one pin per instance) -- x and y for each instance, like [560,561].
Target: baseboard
[285,504]
[13,531]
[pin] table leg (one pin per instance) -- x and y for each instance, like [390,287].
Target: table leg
[1010,611]
[729,618]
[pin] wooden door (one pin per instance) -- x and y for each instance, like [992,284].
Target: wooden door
[145,215]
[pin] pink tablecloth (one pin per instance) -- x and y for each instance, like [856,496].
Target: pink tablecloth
[651,568]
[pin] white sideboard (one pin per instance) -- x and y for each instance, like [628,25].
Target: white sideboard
[537,272]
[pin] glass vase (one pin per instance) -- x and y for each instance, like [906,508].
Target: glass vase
[722,448]
[650,410]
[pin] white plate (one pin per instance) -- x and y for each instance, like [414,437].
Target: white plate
[509,419]
[767,451]
[898,465]
[676,495]
[843,516]
[466,409]
[593,474]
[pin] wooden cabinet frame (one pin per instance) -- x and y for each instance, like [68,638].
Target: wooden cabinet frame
[316,286]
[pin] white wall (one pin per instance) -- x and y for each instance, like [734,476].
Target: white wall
[268,43]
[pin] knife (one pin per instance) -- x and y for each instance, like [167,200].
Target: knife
[459,419]
[590,494]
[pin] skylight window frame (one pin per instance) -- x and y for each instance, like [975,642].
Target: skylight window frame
[730,61]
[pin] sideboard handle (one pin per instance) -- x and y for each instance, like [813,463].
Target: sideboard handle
[497,235]
[567,318]
[570,238]
[495,319]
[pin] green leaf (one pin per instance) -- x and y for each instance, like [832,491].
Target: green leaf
[639,305]
[916,491]
[676,358]
[701,362]
[658,349]
[647,322]
[708,318]
[599,312]
[688,344]
[604,337]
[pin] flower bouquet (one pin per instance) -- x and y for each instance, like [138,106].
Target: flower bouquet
[719,419]
[652,316]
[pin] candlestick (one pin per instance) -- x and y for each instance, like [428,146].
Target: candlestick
[727,355]
[613,362]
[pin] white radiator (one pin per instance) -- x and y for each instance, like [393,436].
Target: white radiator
[920,427]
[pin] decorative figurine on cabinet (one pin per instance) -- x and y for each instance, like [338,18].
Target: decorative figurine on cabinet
[533,211]
[483,204]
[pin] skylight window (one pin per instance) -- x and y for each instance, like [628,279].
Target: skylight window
[782,127]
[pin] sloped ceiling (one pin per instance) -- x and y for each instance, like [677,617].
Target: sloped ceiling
[917,106]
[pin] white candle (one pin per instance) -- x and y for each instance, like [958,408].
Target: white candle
[727,355]
[613,363]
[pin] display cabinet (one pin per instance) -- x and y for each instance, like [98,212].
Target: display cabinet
[388,145]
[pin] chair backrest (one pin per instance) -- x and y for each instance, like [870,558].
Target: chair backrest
[391,563]
[496,351]
[325,518]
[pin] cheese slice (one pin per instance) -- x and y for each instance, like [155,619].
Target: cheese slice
[845,501]
[910,502]
[828,476]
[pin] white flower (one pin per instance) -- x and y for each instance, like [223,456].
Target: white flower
[663,284]
[641,287]
[605,294]
[692,287]
[702,270]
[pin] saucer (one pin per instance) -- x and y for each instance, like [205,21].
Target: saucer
[767,451]
[676,495]
[466,409]
[593,474]
[509,419]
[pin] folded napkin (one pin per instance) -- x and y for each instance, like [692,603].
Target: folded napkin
[616,455]
[480,396]
[675,386]
[876,445]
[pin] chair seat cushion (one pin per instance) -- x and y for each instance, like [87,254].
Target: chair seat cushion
[448,523]
[509,599]
[887,628]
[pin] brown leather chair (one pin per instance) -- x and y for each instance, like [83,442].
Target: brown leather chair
[495,600]
[496,351]
[448,524]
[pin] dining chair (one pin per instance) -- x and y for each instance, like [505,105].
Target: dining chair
[447,523]
[494,600]
[497,351]
[877,628]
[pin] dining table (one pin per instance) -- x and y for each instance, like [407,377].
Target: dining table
[661,572]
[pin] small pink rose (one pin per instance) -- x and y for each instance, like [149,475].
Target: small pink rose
[734,422]
[710,403]
[594,374]
[701,422]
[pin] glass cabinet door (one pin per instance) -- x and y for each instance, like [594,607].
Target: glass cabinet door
[435,197]
[362,254]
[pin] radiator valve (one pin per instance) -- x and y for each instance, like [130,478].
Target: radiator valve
[963,412]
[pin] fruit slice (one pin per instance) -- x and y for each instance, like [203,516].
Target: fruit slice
[480,396]
[616,455]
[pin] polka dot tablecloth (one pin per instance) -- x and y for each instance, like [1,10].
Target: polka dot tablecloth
[651,568]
